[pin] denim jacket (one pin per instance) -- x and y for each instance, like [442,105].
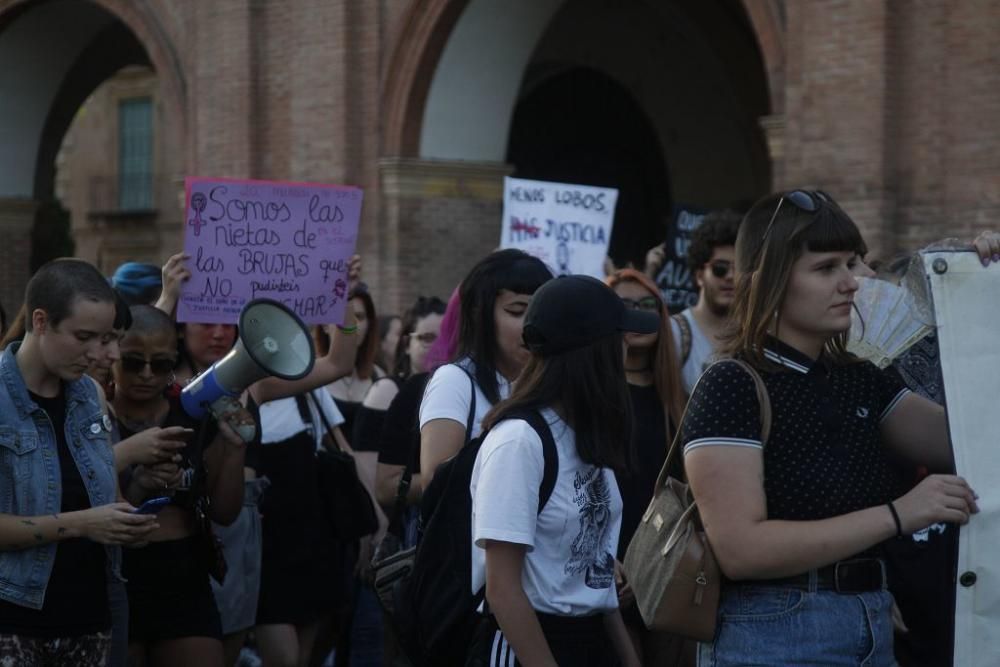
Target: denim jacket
[30,481]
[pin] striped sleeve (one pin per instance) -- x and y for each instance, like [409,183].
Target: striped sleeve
[723,411]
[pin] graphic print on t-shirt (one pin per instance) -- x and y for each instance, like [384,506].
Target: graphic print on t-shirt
[591,550]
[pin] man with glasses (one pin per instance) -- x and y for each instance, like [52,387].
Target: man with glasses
[698,329]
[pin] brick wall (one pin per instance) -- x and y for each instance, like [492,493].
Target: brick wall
[891,105]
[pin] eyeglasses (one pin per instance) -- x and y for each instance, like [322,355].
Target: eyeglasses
[648,303]
[721,268]
[425,338]
[804,200]
[134,365]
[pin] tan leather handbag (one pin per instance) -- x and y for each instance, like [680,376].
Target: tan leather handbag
[669,562]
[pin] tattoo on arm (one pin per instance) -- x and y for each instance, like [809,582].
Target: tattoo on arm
[39,537]
[27,522]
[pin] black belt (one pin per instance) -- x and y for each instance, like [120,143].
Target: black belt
[860,575]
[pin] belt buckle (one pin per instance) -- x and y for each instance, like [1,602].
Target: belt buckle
[866,563]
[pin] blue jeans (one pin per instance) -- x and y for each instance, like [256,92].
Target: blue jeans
[776,625]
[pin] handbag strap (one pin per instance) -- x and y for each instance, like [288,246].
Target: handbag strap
[763,400]
[326,422]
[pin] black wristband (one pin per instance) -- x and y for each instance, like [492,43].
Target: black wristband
[895,517]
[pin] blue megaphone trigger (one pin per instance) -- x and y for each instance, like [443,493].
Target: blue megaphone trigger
[201,393]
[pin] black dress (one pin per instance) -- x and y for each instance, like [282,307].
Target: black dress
[297,568]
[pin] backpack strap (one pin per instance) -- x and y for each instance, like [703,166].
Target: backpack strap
[685,328]
[470,421]
[550,454]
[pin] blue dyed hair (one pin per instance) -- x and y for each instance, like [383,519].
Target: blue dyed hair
[138,283]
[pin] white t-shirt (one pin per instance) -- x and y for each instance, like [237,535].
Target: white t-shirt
[570,562]
[280,419]
[448,396]
[702,353]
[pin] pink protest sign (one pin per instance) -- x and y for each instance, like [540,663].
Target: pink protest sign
[251,239]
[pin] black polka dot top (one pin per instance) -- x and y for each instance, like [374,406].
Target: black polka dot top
[824,456]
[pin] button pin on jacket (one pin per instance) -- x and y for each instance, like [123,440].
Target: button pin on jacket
[95,428]
[863,412]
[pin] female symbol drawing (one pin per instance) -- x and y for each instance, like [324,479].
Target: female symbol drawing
[198,204]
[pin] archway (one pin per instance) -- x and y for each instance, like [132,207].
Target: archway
[704,76]
[53,54]
[581,126]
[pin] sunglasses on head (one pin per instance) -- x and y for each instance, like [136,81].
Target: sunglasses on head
[648,303]
[134,365]
[720,268]
[804,200]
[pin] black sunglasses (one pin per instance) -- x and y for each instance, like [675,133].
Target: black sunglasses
[647,303]
[804,200]
[721,268]
[134,365]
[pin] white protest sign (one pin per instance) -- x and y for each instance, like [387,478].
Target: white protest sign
[566,226]
[967,319]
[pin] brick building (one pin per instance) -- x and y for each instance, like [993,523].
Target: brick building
[890,105]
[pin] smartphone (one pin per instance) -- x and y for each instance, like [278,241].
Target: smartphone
[152,506]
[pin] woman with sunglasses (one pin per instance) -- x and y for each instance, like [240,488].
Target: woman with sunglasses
[796,522]
[657,399]
[173,617]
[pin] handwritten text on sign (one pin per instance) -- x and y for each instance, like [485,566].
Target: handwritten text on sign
[290,242]
[566,226]
[674,279]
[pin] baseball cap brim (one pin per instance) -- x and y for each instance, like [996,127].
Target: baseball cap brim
[640,322]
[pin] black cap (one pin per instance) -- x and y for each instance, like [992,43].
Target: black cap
[570,312]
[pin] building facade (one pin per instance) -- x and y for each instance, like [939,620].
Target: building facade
[890,106]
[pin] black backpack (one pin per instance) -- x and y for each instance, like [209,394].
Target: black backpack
[435,611]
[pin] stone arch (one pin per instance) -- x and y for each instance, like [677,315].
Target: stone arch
[46,106]
[428,27]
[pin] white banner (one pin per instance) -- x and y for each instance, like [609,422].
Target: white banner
[566,226]
[965,297]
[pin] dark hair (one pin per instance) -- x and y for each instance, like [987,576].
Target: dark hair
[587,388]
[147,320]
[384,327]
[16,330]
[123,316]
[717,228]
[364,360]
[765,254]
[511,270]
[423,307]
[58,284]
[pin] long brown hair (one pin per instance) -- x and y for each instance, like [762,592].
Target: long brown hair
[765,254]
[587,388]
[666,367]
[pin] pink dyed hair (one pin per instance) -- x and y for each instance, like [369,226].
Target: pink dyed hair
[443,349]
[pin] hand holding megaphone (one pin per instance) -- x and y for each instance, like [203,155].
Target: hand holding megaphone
[273,341]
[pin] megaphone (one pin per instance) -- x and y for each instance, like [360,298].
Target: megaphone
[273,341]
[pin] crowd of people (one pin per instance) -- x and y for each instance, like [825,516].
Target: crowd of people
[134,534]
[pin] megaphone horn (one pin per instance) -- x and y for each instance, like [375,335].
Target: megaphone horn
[273,341]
